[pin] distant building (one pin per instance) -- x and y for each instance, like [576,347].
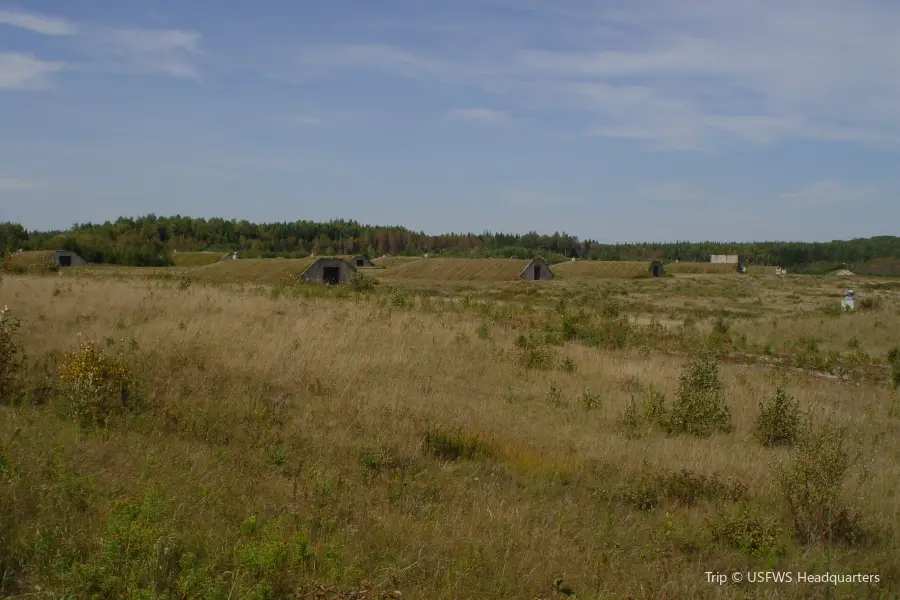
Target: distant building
[357,260]
[330,270]
[728,259]
[67,258]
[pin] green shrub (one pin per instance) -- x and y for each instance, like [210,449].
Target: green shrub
[454,446]
[631,419]
[684,487]
[11,362]
[534,353]
[749,532]
[184,282]
[699,408]
[361,282]
[779,421]
[96,385]
[875,303]
[811,484]
[590,400]
[654,409]
[610,309]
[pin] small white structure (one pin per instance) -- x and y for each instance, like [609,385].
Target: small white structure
[849,301]
[780,271]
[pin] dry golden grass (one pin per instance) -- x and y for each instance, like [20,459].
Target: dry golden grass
[459,269]
[310,415]
[32,257]
[252,270]
[699,267]
[602,269]
[196,259]
[394,261]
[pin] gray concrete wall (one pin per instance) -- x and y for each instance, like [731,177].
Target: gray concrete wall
[316,271]
[546,273]
[76,261]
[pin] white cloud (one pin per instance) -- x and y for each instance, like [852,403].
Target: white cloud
[36,23]
[16,184]
[483,115]
[95,48]
[832,193]
[691,74]
[171,52]
[20,71]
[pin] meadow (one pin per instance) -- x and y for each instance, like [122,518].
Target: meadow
[194,432]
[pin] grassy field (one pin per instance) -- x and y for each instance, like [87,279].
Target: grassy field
[602,269]
[700,267]
[435,439]
[196,259]
[458,269]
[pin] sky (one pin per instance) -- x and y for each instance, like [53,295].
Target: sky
[620,120]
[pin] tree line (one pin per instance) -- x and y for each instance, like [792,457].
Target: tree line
[150,241]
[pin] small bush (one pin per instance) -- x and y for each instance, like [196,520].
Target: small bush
[699,408]
[361,282]
[757,535]
[10,355]
[184,282]
[555,397]
[95,384]
[655,412]
[483,332]
[401,299]
[647,491]
[590,400]
[871,304]
[534,353]
[610,309]
[811,484]
[454,446]
[631,419]
[779,421]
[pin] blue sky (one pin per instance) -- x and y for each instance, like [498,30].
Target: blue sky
[617,120]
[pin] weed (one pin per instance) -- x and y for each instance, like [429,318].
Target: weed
[779,421]
[749,532]
[654,410]
[699,408]
[184,282]
[631,419]
[684,487]
[875,303]
[610,309]
[534,353]
[483,332]
[555,397]
[811,484]
[590,400]
[11,360]
[361,282]
[454,446]
[95,384]
[568,365]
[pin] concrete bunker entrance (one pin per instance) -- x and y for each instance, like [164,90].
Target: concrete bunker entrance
[331,275]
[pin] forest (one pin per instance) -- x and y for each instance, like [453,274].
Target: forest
[150,241]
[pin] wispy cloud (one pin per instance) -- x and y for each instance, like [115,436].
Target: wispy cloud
[687,75]
[171,52]
[483,115]
[45,25]
[832,193]
[21,71]
[91,47]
